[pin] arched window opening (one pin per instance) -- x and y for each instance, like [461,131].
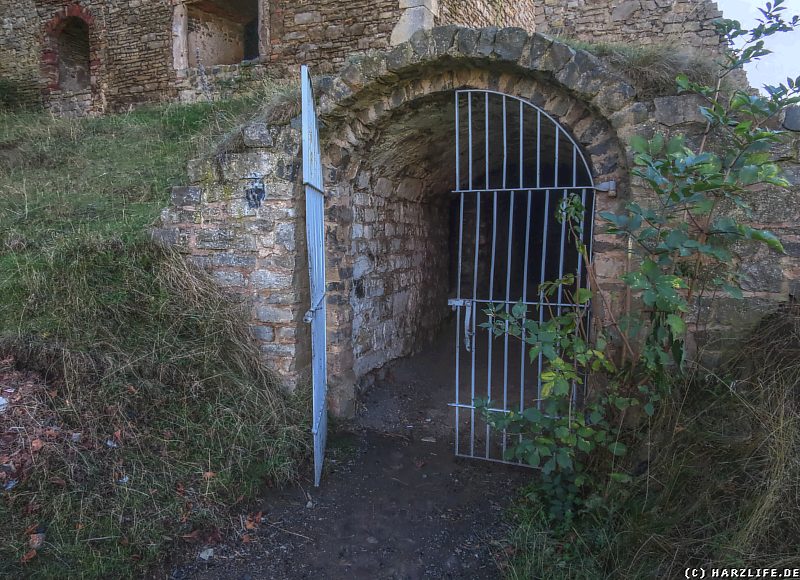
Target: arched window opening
[73,56]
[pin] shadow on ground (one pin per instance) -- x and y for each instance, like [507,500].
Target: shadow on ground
[394,502]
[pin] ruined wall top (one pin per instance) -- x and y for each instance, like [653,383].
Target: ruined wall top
[688,23]
[144,50]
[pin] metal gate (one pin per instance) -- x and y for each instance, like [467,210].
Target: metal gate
[315,236]
[514,166]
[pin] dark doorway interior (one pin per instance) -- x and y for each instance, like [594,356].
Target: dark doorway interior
[73,56]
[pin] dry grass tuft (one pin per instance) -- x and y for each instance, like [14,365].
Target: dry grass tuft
[651,68]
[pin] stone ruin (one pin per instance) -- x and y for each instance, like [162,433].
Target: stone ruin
[388,155]
[93,56]
[386,71]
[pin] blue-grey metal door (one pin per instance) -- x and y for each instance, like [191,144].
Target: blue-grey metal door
[315,237]
[515,166]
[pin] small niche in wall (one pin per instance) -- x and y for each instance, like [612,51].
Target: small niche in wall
[222,32]
[73,56]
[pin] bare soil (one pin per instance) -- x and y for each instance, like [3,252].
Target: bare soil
[395,503]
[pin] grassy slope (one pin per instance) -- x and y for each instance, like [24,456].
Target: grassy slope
[138,349]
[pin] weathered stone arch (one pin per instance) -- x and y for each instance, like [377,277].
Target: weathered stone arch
[375,92]
[260,253]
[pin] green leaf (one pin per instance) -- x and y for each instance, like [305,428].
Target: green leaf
[733,291]
[618,448]
[532,414]
[677,324]
[621,477]
[583,295]
[639,144]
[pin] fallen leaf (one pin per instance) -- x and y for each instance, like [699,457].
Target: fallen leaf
[208,475]
[246,539]
[118,434]
[36,445]
[132,390]
[58,481]
[215,537]
[252,521]
[31,529]
[29,555]
[180,488]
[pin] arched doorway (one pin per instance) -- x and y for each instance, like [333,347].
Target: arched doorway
[73,56]
[453,205]
[70,66]
[516,168]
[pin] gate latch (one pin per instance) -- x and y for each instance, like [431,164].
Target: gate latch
[468,332]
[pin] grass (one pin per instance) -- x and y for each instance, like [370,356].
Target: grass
[155,416]
[722,486]
[652,68]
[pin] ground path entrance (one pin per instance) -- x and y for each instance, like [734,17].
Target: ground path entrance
[395,503]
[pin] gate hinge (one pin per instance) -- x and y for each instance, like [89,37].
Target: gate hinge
[308,318]
[456,302]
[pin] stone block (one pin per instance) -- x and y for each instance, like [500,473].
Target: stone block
[791,119]
[509,43]
[263,333]
[229,279]
[676,110]
[186,195]
[412,20]
[269,279]
[274,314]
[257,135]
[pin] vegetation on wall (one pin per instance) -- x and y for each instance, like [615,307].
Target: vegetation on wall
[651,68]
[607,476]
[137,410]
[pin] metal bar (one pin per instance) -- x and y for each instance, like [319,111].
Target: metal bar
[486,141]
[555,172]
[458,145]
[502,461]
[538,148]
[469,136]
[517,189]
[508,299]
[542,275]
[458,317]
[491,297]
[534,303]
[474,296]
[524,297]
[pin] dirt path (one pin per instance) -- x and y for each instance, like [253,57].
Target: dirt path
[394,504]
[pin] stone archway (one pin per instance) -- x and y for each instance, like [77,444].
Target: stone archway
[382,140]
[389,150]
[70,63]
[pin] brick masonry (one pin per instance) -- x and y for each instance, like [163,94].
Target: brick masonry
[140,48]
[386,144]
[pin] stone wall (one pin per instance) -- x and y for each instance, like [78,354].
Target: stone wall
[387,156]
[685,23]
[324,33]
[213,39]
[255,250]
[400,238]
[502,13]
[139,45]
